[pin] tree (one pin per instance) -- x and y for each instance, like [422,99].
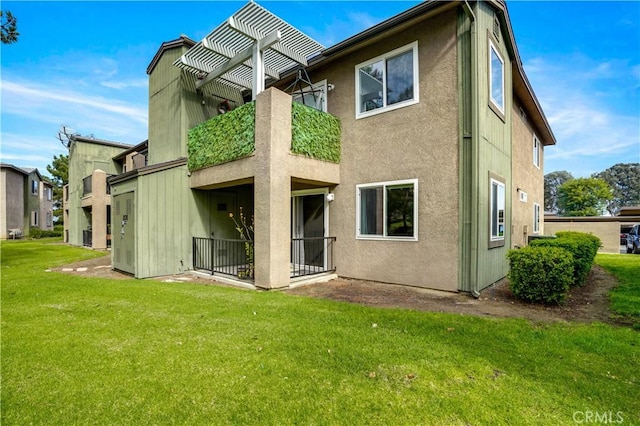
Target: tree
[552,181]
[59,170]
[625,181]
[584,197]
[9,27]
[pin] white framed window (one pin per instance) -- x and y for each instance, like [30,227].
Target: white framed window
[34,218]
[387,210]
[536,151]
[536,218]
[387,82]
[496,78]
[314,96]
[497,214]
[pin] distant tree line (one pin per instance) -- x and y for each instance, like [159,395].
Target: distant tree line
[603,192]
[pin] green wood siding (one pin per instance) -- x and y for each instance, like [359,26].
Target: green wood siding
[485,149]
[163,238]
[494,151]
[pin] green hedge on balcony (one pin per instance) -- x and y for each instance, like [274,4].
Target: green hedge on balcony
[223,138]
[314,133]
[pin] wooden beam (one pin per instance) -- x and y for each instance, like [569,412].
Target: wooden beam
[251,32]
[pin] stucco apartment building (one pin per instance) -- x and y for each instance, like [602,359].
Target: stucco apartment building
[432,172]
[26,201]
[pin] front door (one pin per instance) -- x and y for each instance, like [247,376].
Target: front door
[123,232]
[309,228]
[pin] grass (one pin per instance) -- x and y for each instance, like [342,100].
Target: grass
[79,350]
[625,298]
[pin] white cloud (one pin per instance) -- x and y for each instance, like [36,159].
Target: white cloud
[584,103]
[124,84]
[27,99]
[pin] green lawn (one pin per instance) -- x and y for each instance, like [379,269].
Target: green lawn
[625,299]
[93,351]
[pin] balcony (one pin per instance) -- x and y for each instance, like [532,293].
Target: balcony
[272,132]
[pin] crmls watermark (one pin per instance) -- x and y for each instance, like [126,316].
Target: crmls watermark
[598,417]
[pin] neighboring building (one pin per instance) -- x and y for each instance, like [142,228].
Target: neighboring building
[433,173]
[86,199]
[26,201]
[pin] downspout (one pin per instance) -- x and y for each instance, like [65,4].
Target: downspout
[475,158]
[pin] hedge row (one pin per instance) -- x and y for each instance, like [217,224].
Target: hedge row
[546,269]
[36,233]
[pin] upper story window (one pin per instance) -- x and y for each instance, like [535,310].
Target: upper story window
[48,192]
[497,215]
[388,210]
[34,187]
[496,80]
[387,82]
[536,151]
[313,96]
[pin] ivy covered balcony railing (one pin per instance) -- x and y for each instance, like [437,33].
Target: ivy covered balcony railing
[231,136]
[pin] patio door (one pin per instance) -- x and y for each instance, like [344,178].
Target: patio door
[309,227]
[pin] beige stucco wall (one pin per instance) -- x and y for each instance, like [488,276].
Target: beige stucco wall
[608,232]
[415,142]
[11,202]
[527,178]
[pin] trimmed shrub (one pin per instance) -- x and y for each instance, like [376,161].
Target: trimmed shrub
[37,233]
[584,238]
[582,247]
[540,274]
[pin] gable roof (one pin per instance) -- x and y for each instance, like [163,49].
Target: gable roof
[22,170]
[521,86]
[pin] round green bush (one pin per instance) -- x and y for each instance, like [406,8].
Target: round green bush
[540,274]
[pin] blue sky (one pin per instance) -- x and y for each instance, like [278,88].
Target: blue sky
[83,64]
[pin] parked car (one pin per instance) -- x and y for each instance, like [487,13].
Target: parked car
[624,230]
[633,240]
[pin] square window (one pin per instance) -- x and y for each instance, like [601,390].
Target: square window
[387,82]
[388,210]
[497,214]
[496,78]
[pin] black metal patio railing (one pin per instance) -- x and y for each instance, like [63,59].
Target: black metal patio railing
[310,256]
[224,256]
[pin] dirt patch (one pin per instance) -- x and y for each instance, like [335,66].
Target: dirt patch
[585,304]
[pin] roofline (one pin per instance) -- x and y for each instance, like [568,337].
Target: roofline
[181,41]
[517,60]
[78,138]
[16,168]
[414,12]
[438,6]
[132,149]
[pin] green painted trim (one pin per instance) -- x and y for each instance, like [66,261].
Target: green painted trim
[223,138]
[314,133]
